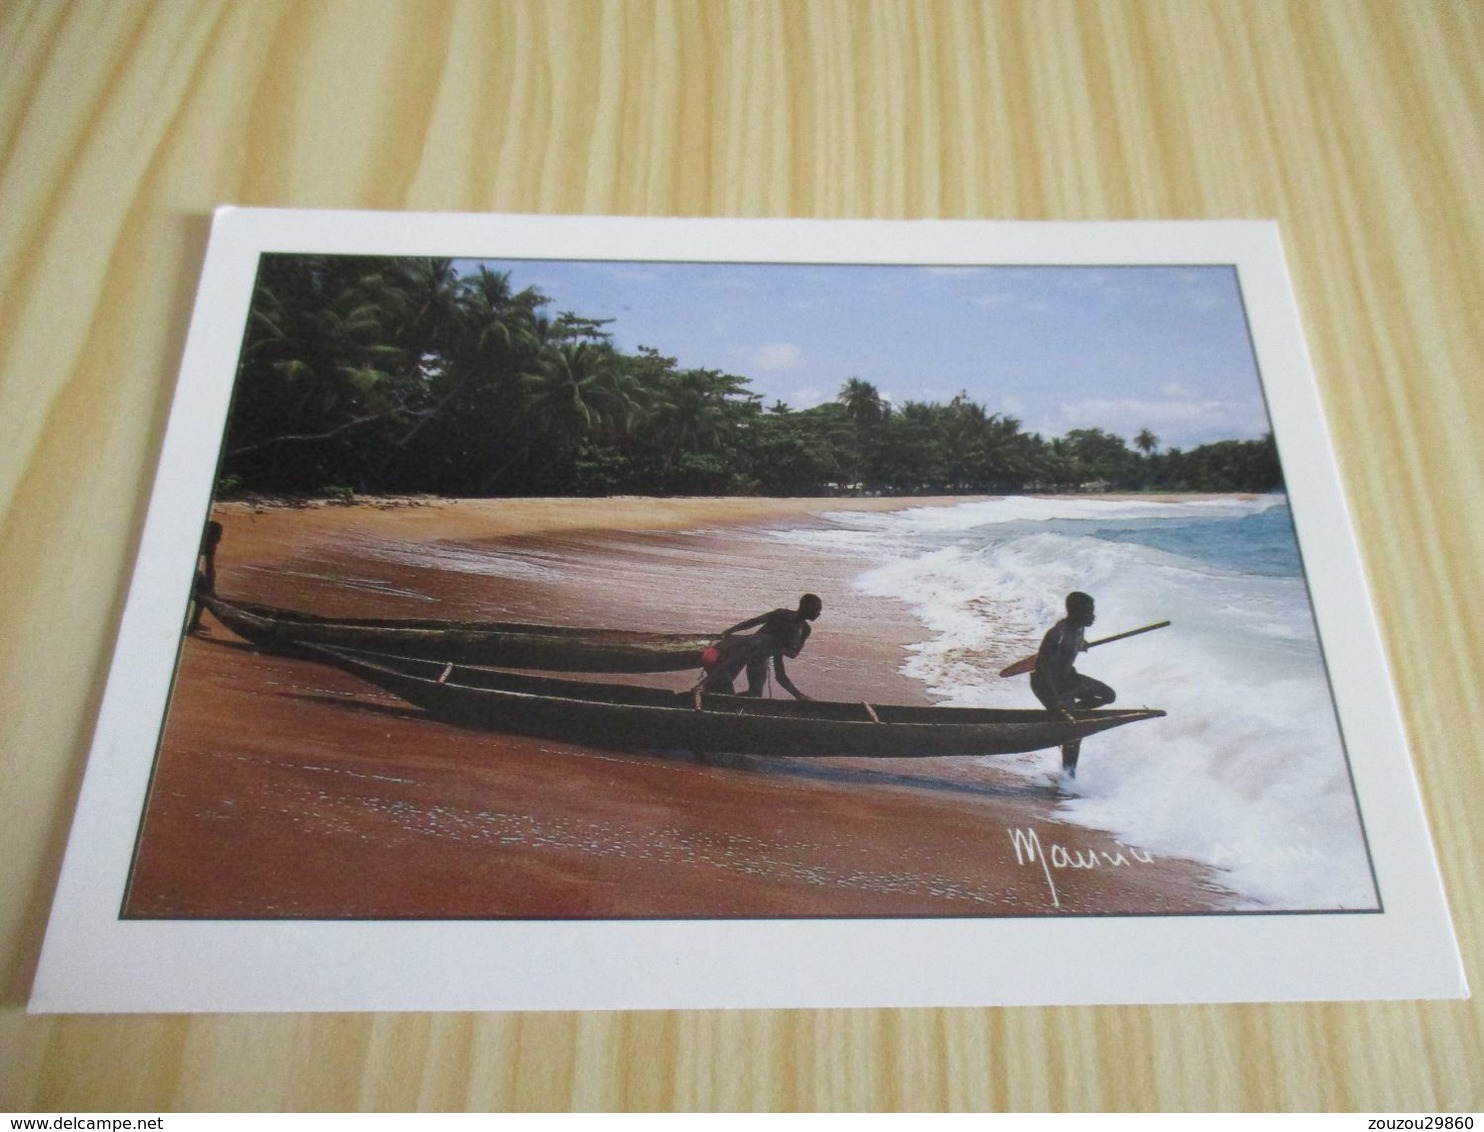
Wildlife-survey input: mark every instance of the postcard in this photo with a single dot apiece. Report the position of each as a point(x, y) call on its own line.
point(598, 613)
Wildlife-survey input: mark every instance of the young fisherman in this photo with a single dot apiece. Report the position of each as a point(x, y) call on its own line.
point(780, 633)
point(1056, 681)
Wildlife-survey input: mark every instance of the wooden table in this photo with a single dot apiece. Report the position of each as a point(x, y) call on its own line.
point(1358, 125)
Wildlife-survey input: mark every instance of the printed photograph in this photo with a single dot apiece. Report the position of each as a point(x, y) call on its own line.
point(589, 590)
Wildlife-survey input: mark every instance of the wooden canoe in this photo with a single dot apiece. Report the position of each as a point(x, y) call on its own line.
point(621, 717)
point(549, 648)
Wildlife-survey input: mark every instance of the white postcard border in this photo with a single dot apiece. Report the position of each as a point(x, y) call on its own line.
point(95, 962)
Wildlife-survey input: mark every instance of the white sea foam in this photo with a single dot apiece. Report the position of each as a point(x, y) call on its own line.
point(1037, 509)
point(1247, 773)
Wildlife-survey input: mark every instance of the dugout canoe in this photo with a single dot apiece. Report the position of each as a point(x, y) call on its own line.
point(548, 648)
point(622, 717)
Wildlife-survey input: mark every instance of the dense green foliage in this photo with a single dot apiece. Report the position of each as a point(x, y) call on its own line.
point(372, 375)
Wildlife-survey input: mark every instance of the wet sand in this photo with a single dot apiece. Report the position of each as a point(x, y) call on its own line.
point(288, 789)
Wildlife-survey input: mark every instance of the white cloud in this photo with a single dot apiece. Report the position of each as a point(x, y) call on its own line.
point(776, 356)
point(995, 299)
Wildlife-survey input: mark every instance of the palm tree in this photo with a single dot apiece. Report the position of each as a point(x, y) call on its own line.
point(466, 329)
point(1009, 455)
point(963, 426)
point(704, 404)
point(485, 343)
point(430, 295)
point(328, 359)
point(863, 403)
point(575, 394)
point(1146, 442)
point(582, 391)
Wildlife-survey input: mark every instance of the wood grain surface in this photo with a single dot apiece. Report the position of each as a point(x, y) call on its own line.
point(1356, 123)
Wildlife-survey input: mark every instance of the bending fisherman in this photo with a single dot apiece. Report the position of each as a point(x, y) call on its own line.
point(780, 633)
point(1056, 681)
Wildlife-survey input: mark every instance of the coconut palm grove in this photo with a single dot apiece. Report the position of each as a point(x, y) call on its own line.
point(372, 375)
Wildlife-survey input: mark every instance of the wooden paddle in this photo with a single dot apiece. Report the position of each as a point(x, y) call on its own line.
point(1023, 666)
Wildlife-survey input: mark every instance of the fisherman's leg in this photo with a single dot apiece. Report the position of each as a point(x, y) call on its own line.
point(757, 676)
point(719, 683)
point(196, 607)
point(1069, 753)
point(731, 658)
point(1092, 693)
point(1044, 692)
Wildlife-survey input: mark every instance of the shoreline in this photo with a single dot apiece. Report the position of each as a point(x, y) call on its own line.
point(341, 802)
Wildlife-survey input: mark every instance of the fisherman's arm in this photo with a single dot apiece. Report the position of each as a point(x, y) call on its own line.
point(750, 623)
point(783, 679)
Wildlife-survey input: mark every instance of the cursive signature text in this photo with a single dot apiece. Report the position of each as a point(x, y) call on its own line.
point(1029, 851)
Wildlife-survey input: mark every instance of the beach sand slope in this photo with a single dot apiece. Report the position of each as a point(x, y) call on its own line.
point(287, 789)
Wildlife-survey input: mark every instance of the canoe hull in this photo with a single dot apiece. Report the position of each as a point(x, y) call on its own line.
point(626, 718)
point(549, 648)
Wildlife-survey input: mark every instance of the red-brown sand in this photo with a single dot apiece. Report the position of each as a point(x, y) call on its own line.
point(288, 789)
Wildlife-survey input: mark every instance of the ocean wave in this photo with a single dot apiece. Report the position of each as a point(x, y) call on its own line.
point(1039, 509)
point(1247, 773)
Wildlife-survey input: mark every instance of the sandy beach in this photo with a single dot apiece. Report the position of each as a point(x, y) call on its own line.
point(288, 789)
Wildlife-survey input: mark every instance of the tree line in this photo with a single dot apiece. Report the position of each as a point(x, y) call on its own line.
point(372, 375)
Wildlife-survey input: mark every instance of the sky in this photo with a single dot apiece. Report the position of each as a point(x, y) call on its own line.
point(1118, 348)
